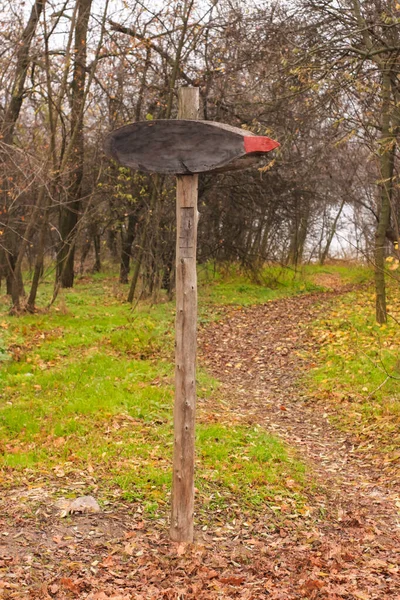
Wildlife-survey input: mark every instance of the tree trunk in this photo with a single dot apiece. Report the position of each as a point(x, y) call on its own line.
point(299, 235)
point(144, 240)
point(69, 213)
point(388, 147)
point(16, 281)
point(112, 244)
point(126, 247)
point(332, 232)
point(85, 251)
point(10, 262)
point(39, 263)
point(138, 264)
point(97, 255)
point(15, 284)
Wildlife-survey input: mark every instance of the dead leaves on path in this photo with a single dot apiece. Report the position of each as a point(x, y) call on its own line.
point(286, 565)
point(259, 353)
point(318, 562)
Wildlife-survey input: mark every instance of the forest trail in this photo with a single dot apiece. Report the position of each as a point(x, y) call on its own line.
point(258, 354)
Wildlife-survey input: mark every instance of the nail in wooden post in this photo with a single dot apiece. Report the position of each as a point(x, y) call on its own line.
point(186, 342)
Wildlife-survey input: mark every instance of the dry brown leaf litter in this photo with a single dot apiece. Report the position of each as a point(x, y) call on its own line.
point(347, 548)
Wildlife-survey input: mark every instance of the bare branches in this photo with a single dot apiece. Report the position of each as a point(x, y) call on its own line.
point(17, 92)
point(148, 42)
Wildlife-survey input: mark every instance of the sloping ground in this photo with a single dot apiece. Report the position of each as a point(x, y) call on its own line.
point(345, 545)
point(258, 352)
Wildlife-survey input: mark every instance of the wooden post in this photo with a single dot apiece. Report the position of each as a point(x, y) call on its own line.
point(185, 147)
point(185, 340)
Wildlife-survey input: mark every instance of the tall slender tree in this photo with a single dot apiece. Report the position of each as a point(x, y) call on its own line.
point(70, 209)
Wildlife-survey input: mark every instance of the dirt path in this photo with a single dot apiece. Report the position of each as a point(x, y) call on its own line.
point(346, 548)
point(257, 352)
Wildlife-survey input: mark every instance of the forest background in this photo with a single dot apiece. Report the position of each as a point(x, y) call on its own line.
point(320, 77)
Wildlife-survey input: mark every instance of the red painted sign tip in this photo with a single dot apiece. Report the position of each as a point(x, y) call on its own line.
point(258, 143)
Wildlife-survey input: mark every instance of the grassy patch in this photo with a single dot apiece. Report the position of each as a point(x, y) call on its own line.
point(358, 367)
point(87, 394)
point(232, 284)
point(254, 466)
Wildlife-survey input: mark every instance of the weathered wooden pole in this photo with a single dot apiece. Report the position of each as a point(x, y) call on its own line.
point(185, 340)
point(185, 147)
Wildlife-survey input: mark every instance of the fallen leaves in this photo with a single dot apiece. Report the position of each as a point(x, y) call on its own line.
point(340, 546)
point(313, 584)
point(232, 580)
point(104, 596)
point(361, 595)
point(266, 392)
point(181, 548)
point(68, 584)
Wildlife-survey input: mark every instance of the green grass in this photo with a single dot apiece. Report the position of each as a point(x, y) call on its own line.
point(250, 463)
point(231, 284)
point(358, 367)
point(87, 395)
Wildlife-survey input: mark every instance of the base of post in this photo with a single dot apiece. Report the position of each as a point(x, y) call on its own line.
point(179, 536)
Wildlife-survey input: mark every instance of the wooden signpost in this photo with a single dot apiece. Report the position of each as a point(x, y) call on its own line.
point(185, 147)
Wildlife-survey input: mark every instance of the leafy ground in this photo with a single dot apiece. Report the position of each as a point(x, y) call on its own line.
point(286, 506)
point(358, 370)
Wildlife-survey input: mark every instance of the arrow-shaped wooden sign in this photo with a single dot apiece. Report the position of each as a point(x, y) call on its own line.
point(186, 147)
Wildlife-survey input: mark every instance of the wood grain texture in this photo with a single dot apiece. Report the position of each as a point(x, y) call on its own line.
point(186, 344)
point(185, 146)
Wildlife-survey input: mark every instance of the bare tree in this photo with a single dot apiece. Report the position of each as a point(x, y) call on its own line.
point(10, 262)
